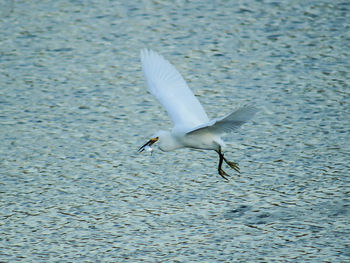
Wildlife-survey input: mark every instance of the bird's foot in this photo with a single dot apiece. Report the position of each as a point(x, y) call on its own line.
point(223, 174)
point(233, 165)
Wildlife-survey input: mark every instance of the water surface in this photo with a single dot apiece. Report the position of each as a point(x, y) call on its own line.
point(74, 109)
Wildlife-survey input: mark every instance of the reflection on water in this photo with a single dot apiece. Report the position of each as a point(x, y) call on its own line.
point(74, 110)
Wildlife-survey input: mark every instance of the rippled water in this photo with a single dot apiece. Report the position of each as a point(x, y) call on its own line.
point(74, 109)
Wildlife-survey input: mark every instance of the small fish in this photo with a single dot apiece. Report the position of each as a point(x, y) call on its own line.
point(148, 149)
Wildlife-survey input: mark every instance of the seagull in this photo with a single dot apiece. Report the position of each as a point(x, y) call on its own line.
point(192, 127)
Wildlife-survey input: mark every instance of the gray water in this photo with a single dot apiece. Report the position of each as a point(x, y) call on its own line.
point(74, 109)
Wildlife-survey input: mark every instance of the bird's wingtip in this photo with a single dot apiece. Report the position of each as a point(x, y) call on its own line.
point(147, 52)
point(249, 108)
point(143, 52)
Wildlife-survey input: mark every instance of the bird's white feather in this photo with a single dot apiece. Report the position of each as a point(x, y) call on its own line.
point(167, 85)
point(227, 123)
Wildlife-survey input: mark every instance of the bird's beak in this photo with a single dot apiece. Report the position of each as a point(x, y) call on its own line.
point(149, 143)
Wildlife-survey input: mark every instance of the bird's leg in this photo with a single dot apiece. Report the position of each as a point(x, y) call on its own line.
point(221, 172)
point(233, 165)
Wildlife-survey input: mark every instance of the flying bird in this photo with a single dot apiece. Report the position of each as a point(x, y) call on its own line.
point(192, 127)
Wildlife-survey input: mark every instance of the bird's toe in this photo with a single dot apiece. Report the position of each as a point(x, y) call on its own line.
point(234, 166)
point(223, 174)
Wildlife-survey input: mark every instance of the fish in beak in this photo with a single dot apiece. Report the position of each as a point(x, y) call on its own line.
point(147, 145)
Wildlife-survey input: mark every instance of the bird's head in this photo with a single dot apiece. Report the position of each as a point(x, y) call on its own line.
point(165, 139)
point(147, 145)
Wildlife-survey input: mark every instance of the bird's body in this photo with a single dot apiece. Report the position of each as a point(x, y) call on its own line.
point(172, 140)
point(192, 129)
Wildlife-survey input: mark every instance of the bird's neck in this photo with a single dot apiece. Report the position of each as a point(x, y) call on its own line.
point(168, 142)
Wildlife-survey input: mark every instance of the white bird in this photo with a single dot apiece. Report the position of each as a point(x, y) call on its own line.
point(192, 127)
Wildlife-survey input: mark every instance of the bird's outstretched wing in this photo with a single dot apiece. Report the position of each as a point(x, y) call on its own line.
point(167, 85)
point(227, 123)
